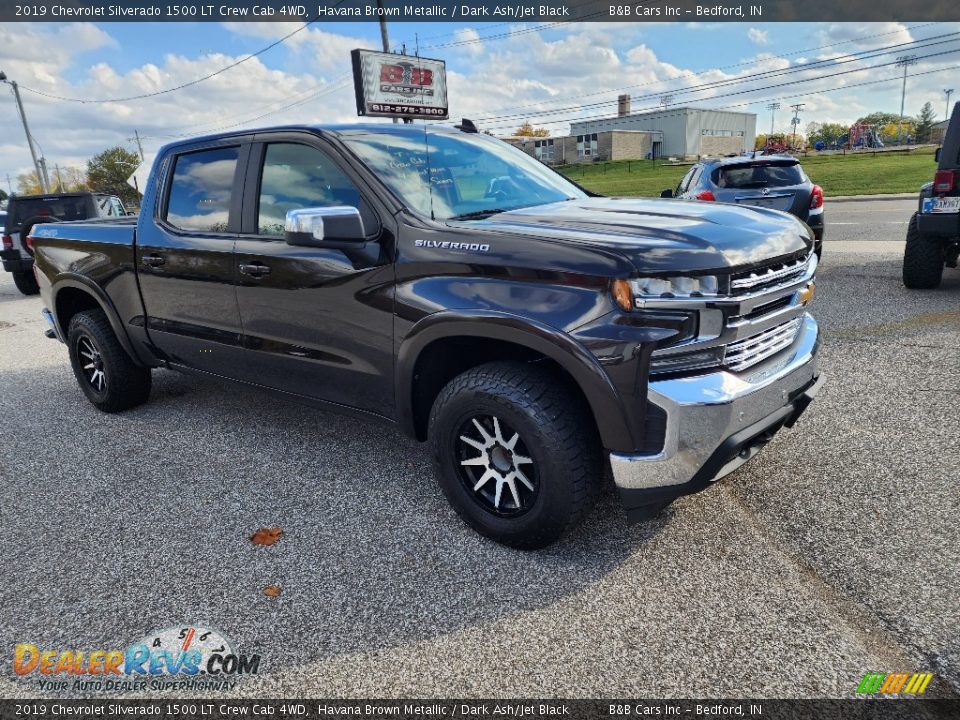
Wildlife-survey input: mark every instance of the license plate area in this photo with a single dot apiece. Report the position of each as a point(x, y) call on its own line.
point(941, 205)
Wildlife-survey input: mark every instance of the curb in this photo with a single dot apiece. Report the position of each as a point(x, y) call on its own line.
point(860, 198)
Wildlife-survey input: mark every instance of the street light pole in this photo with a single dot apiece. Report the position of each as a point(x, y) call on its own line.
point(26, 129)
point(948, 93)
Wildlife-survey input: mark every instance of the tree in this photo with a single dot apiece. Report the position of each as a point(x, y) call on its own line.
point(879, 118)
point(3, 195)
point(528, 130)
point(826, 133)
point(925, 121)
point(108, 171)
point(68, 179)
point(27, 184)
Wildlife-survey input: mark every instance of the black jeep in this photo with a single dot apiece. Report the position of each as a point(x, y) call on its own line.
point(933, 236)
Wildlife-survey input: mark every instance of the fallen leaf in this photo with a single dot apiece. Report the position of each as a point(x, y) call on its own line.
point(266, 536)
point(272, 591)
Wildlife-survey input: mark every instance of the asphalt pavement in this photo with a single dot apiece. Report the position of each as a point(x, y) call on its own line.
point(834, 553)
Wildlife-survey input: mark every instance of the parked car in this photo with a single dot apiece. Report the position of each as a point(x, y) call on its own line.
point(933, 235)
point(777, 182)
point(25, 211)
point(447, 283)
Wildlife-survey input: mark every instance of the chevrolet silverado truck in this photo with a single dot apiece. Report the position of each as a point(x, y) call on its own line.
point(442, 281)
point(933, 235)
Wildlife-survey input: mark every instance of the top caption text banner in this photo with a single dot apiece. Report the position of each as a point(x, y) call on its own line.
point(477, 11)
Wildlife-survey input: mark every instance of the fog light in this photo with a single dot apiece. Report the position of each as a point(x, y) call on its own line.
point(806, 295)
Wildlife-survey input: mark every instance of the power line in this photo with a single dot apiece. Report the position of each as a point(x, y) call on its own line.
point(196, 81)
point(770, 87)
point(698, 73)
point(766, 74)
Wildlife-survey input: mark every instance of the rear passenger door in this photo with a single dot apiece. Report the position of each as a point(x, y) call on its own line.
point(317, 321)
point(185, 259)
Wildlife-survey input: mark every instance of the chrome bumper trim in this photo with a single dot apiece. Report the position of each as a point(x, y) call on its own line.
point(703, 411)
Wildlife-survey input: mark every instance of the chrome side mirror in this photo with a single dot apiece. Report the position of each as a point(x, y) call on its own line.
point(333, 226)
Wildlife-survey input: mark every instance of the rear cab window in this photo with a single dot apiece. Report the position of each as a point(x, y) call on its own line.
point(61, 208)
point(201, 190)
point(773, 174)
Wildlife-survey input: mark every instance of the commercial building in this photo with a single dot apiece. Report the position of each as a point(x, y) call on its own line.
point(591, 147)
point(683, 131)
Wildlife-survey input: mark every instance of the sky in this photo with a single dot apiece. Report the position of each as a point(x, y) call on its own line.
point(499, 75)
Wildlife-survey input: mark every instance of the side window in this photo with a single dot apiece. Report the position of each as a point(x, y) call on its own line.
point(685, 182)
point(299, 176)
point(201, 188)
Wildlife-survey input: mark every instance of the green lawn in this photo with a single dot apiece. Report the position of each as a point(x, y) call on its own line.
point(850, 174)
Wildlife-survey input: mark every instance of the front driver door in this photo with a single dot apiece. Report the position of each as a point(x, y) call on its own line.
point(317, 322)
point(185, 261)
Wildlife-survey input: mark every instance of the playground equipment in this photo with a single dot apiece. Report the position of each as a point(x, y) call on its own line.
point(861, 135)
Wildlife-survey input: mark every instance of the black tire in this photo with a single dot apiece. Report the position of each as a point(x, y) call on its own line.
point(27, 227)
point(555, 434)
point(26, 282)
point(94, 347)
point(922, 259)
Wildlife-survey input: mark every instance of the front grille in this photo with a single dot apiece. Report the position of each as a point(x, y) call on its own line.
point(767, 277)
point(749, 351)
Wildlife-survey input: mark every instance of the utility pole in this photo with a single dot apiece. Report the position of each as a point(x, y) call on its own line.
point(796, 121)
point(139, 146)
point(948, 93)
point(59, 178)
point(904, 61)
point(384, 38)
point(45, 180)
point(26, 129)
point(9, 184)
point(773, 107)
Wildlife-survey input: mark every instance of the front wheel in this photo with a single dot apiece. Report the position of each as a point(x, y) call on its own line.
point(922, 259)
point(106, 374)
point(516, 456)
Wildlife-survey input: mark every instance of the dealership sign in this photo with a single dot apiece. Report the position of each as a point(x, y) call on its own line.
point(391, 85)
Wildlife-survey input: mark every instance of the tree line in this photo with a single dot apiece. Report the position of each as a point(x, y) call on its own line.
point(105, 172)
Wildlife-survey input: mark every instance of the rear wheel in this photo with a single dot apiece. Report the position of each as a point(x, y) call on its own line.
point(517, 457)
point(106, 374)
point(25, 282)
point(922, 259)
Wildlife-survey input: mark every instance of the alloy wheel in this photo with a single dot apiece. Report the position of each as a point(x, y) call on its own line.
point(503, 478)
point(92, 363)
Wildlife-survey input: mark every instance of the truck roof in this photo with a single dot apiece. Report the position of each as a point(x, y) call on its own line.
point(46, 196)
point(339, 130)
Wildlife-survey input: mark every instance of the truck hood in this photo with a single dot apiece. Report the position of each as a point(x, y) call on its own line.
point(663, 235)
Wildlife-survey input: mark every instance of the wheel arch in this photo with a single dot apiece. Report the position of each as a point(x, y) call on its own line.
point(73, 294)
point(444, 344)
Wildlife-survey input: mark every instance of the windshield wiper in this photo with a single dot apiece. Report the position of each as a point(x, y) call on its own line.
point(480, 214)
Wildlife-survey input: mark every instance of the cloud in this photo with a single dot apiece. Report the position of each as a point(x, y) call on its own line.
point(758, 36)
point(513, 74)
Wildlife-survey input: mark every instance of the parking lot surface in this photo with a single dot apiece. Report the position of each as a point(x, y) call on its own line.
point(834, 553)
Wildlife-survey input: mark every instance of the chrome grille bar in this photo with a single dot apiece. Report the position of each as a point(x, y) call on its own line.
point(752, 350)
point(770, 275)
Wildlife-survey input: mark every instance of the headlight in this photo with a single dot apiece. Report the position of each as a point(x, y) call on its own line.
point(681, 286)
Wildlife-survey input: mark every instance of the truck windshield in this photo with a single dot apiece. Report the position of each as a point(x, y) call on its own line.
point(459, 176)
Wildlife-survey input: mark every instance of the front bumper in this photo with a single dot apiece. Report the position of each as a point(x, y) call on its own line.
point(718, 421)
point(13, 261)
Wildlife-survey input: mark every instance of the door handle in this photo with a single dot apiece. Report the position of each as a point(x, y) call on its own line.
point(153, 260)
point(255, 269)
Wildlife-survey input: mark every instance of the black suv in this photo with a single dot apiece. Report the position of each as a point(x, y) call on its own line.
point(933, 236)
point(25, 211)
